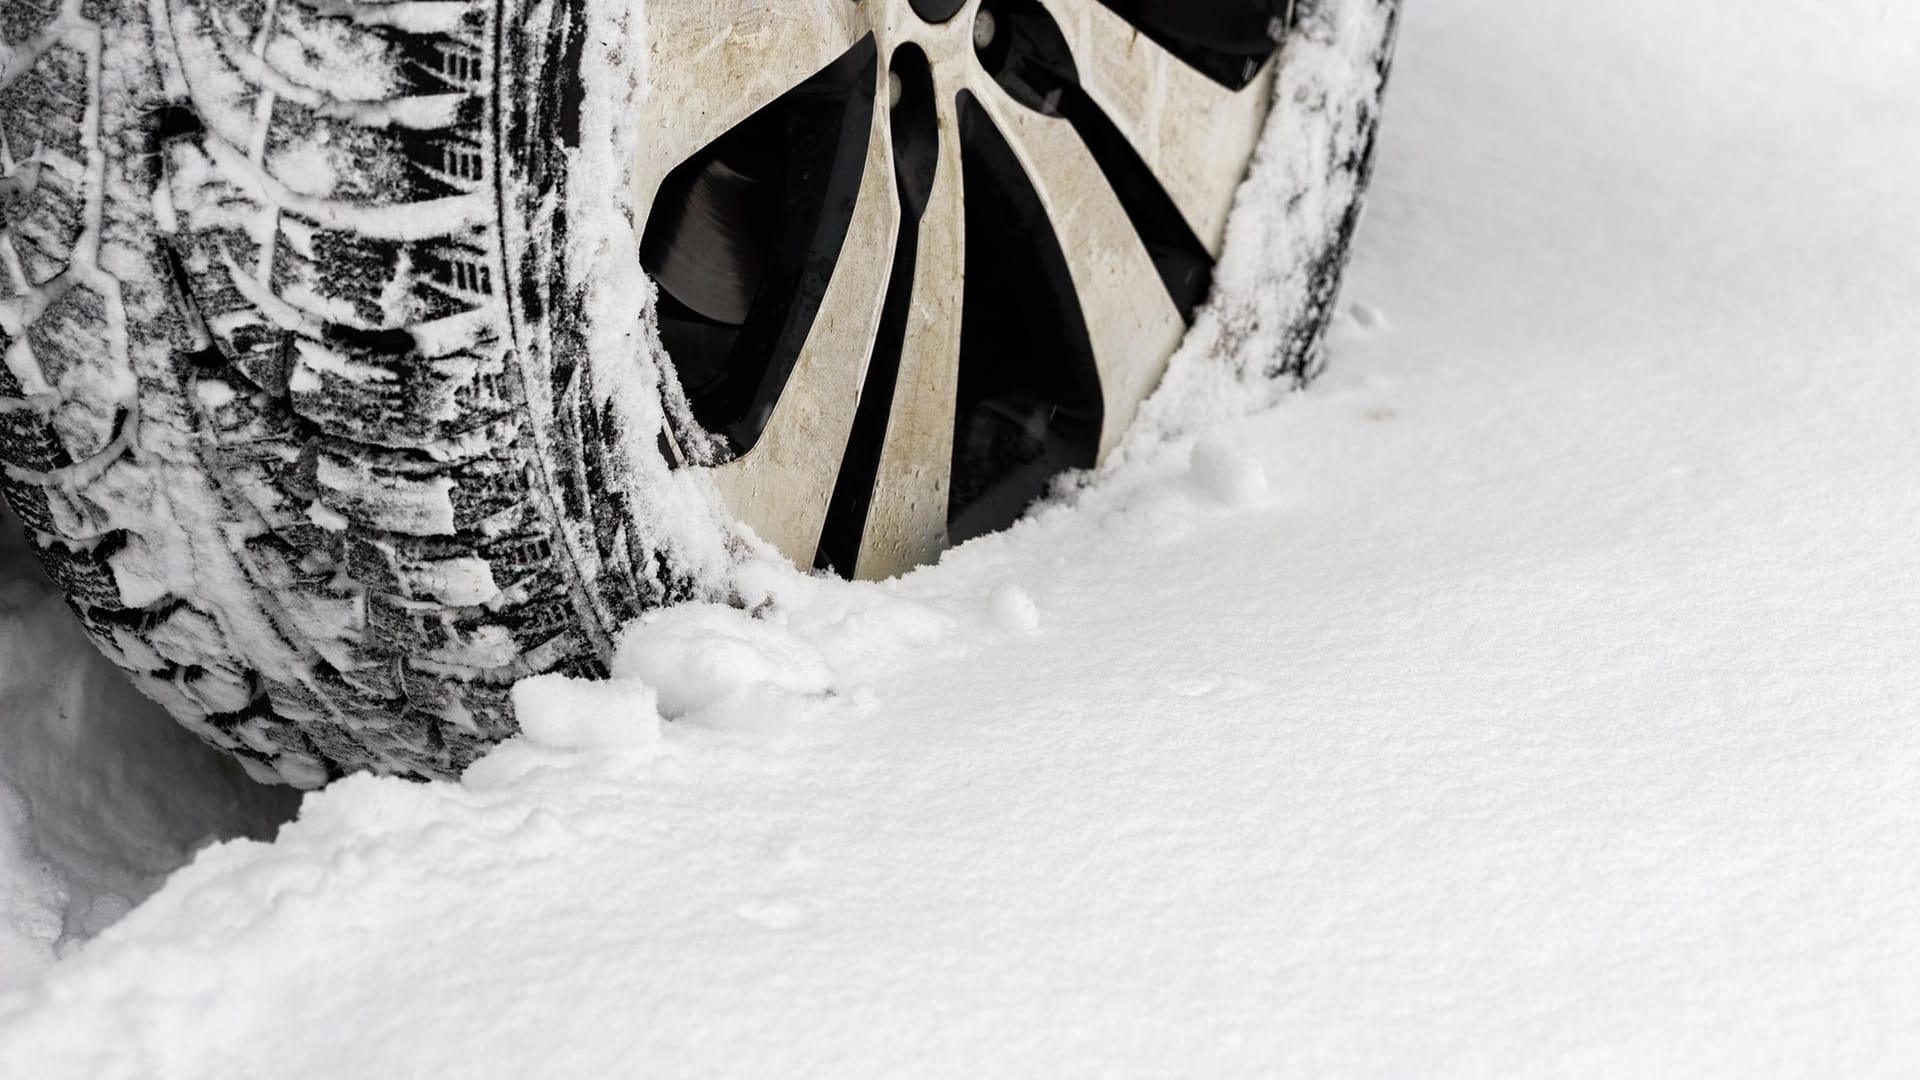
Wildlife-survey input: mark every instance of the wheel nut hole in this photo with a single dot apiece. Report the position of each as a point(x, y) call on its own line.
point(937, 11)
point(985, 28)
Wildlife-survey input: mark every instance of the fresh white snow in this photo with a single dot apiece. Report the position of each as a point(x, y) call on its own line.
point(1537, 695)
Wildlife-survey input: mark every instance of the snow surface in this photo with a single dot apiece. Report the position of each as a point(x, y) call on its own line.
point(1537, 695)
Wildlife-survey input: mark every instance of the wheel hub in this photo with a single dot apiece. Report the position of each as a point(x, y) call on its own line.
point(916, 257)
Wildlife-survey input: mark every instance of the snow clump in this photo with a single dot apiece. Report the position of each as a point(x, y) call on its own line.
point(719, 667)
point(1226, 473)
point(1013, 609)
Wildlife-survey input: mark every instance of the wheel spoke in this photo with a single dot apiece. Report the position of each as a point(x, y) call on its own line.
point(713, 63)
point(1182, 123)
point(781, 488)
point(1132, 324)
point(906, 523)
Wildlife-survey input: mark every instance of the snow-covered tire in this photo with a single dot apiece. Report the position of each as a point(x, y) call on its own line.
point(1332, 102)
point(302, 339)
point(295, 406)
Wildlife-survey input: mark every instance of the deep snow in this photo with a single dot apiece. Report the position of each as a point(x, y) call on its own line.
point(1535, 695)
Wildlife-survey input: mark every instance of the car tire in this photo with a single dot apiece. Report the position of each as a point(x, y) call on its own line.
point(333, 395)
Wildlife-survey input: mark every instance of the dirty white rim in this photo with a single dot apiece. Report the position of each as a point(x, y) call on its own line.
point(1092, 114)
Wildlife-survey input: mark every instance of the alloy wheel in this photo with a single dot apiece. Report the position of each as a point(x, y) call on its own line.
point(917, 257)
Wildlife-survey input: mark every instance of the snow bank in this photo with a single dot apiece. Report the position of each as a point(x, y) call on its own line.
point(1535, 697)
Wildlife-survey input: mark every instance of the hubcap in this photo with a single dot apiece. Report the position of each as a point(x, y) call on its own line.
point(916, 257)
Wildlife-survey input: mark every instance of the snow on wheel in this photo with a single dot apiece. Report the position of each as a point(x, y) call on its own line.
point(331, 392)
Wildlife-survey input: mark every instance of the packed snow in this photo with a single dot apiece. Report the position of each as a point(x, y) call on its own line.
point(1535, 695)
